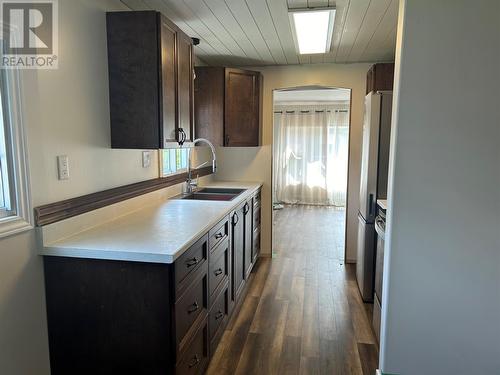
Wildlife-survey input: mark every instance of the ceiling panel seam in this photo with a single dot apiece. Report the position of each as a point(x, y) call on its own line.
point(260, 31)
point(209, 29)
point(342, 30)
point(376, 28)
point(359, 29)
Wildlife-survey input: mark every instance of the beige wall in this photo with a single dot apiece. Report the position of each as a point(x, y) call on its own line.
point(255, 163)
point(66, 111)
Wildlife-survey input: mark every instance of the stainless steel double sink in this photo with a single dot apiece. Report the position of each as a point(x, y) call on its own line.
point(214, 194)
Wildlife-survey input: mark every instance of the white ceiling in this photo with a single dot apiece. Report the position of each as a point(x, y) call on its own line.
point(257, 32)
point(319, 95)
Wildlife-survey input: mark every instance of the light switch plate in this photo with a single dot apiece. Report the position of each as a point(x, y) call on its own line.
point(146, 159)
point(63, 167)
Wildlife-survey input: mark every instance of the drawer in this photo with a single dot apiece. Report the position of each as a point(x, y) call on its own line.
point(189, 262)
point(218, 268)
point(219, 313)
point(190, 305)
point(218, 233)
point(195, 359)
point(256, 217)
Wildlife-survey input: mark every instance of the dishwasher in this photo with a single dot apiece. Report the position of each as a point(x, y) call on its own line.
point(379, 268)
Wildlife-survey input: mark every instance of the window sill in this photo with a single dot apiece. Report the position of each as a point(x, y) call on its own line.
point(13, 225)
point(180, 171)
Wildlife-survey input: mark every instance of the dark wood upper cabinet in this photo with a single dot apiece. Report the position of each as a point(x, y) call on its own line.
point(228, 106)
point(150, 80)
point(185, 91)
point(168, 79)
point(380, 77)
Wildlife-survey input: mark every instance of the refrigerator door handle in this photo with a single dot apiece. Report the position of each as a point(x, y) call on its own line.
point(370, 205)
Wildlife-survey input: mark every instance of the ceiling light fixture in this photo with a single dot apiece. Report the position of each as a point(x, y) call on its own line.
point(312, 29)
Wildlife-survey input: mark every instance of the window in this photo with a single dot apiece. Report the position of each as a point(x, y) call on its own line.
point(15, 208)
point(174, 160)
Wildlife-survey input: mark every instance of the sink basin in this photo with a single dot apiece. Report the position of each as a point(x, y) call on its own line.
point(216, 190)
point(210, 197)
point(214, 194)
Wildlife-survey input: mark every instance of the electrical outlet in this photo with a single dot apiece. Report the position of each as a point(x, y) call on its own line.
point(146, 159)
point(63, 167)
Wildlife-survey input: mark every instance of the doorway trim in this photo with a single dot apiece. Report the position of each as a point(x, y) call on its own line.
point(313, 87)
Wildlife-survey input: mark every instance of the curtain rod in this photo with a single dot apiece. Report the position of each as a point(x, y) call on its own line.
point(337, 110)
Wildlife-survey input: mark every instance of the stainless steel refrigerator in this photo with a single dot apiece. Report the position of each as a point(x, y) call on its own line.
point(373, 183)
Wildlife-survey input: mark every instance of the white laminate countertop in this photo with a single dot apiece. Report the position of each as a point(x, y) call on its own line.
point(158, 233)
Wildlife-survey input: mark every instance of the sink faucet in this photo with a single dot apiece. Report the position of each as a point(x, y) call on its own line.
point(190, 185)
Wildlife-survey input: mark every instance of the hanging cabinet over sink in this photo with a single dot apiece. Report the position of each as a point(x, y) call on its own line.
point(150, 81)
point(228, 106)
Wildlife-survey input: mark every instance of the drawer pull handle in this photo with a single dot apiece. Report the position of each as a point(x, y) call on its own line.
point(219, 315)
point(219, 235)
point(217, 272)
point(194, 362)
point(191, 262)
point(193, 308)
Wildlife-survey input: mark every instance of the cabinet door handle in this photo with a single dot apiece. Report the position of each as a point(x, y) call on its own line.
point(246, 208)
point(235, 218)
point(219, 315)
point(191, 262)
point(193, 308)
point(182, 135)
point(227, 140)
point(194, 362)
point(219, 235)
point(218, 272)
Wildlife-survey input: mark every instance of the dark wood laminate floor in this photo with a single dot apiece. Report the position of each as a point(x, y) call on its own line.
point(302, 313)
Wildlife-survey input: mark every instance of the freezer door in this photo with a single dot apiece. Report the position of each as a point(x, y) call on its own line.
point(369, 157)
point(365, 263)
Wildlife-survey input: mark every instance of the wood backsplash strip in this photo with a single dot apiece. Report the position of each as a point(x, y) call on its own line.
point(57, 211)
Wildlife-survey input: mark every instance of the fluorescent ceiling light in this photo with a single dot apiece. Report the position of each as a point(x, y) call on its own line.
point(313, 29)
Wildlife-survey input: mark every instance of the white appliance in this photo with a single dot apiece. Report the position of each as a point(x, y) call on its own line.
point(373, 184)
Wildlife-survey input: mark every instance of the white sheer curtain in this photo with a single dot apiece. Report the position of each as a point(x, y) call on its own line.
point(310, 154)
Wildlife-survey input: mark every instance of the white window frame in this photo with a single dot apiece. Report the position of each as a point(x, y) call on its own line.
point(177, 170)
point(15, 137)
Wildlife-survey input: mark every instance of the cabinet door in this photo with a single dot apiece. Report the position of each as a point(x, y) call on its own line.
point(242, 108)
point(248, 261)
point(185, 86)
point(238, 233)
point(168, 86)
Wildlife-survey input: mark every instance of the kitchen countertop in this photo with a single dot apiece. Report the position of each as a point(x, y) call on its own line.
point(382, 203)
point(158, 233)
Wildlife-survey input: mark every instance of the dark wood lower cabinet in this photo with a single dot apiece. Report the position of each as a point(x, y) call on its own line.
point(110, 317)
point(195, 359)
point(247, 252)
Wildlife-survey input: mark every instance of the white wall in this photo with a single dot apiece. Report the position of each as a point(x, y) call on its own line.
point(442, 279)
point(254, 163)
point(66, 111)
